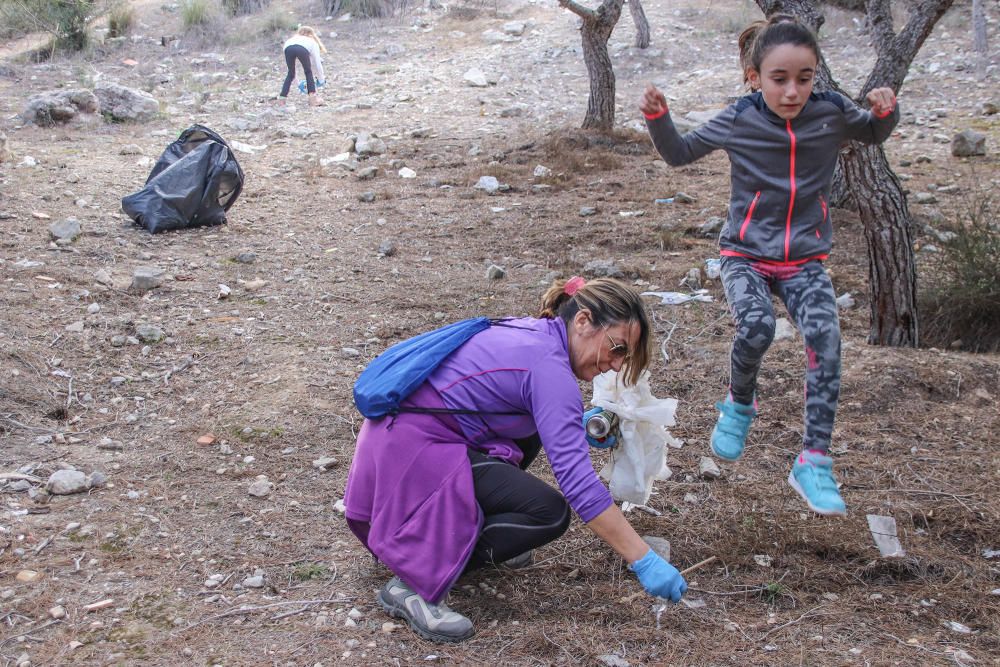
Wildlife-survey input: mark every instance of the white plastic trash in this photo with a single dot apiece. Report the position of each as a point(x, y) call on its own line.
point(641, 455)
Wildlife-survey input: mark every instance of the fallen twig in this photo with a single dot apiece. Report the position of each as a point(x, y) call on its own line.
point(793, 622)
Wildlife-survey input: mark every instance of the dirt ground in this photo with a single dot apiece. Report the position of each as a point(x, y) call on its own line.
point(172, 537)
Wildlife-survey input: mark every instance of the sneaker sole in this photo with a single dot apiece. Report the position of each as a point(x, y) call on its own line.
point(397, 611)
point(794, 483)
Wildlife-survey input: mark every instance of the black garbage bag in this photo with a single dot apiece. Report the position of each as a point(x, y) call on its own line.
point(193, 184)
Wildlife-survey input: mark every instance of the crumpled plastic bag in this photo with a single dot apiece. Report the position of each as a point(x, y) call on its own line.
point(641, 455)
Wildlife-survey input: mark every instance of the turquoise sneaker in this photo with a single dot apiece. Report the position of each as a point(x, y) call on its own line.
point(812, 477)
point(729, 436)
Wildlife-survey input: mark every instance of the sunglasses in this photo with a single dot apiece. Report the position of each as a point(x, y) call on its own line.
point(619, 350)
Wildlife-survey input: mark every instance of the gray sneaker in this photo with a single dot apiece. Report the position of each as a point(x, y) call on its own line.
point(521, 561)
point(435, 622)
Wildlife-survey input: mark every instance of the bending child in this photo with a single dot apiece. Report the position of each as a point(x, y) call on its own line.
point(305, 47)
point(782, 142)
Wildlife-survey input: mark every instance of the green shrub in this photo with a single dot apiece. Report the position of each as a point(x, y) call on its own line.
point(243, 7)
point(362, 8)
point(961, 308)
point(278, 21)
point(197, 14)
point(121, 18)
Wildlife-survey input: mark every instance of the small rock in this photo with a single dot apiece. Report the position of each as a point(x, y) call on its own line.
point(489, 184)
point(960, 628)
point(406, 172)
point(968, 143)
point(925, 198)
point(245, 258)
point(587, 211)
point(145, 278)
point(684, 198)
point(762, 559)
point(783, 329)
point(260, 488)
point(93, 309)
point(57, 612)
point(149, 333)
point(388, 627)
point(367, 197)
point(387, 248)
point(65, 230)
point(711, 227)
point(224, 291)
point(495, 272)
point(691, 498)
point(845, 301)
point(206, 440)
point(708, 469)
point(987, 108)
point(254, 581)
point(75, 327)
point(542, 171)
point(28, 576)
point(612, 660)
point(367, 173)
point(475, 78)
point(603, 268)
point(658, 544)
point(96, 479)
point(66, 482)
point(324, 463)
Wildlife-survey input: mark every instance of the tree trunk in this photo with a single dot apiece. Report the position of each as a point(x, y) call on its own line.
point(891, 275)
point(641, 24)
point(596, 29)
point(979, 38)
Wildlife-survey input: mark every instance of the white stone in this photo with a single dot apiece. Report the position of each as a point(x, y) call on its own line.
point(708, 468)
point(783, 329)
point(475, 78)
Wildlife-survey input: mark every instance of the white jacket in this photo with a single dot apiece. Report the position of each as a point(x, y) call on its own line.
point(315, 56)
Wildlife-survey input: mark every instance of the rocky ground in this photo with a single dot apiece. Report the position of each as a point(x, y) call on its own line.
point(175, 411)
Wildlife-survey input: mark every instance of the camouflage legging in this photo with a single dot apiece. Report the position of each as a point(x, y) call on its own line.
point(808, 295)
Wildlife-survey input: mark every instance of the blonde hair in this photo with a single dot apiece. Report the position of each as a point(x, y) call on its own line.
point(609, 302)
point(308, 31)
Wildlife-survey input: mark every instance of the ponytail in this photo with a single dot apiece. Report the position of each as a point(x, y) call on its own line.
point(609, 302)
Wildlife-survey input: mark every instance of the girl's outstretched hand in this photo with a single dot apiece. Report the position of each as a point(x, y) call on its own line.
point(882, 101)
point(653, 102)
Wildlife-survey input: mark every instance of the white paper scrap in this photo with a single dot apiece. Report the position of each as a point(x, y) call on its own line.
point(883, 530)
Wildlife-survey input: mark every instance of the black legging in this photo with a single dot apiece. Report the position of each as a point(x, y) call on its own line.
point(300, 53)
point(521, 511)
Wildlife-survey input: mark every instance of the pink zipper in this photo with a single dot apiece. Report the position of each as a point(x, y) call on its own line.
point(746, 220)
point(792, 187)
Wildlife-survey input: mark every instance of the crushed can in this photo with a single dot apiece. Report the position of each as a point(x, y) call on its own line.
point(602, 425)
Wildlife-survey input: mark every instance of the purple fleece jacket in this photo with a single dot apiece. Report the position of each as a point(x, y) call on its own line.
point(410, 497)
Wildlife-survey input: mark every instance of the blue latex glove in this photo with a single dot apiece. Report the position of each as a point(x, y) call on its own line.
point(302, 87)
point(606, 443)
point(320, 83)
point(659, 577)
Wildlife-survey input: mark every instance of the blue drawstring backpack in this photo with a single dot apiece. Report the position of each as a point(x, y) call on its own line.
point(397, 372)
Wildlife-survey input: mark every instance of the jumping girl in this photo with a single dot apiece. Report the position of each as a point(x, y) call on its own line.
point(782, 141)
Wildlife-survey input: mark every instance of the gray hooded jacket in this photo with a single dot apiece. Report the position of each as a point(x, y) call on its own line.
point(780, 170)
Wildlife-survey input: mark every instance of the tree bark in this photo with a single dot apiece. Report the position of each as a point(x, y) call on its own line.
point(642, 39)
point(979, 38)
point(595, 31)
point(892, 276)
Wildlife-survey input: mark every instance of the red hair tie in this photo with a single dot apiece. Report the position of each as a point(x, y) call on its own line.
point(573, 285)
